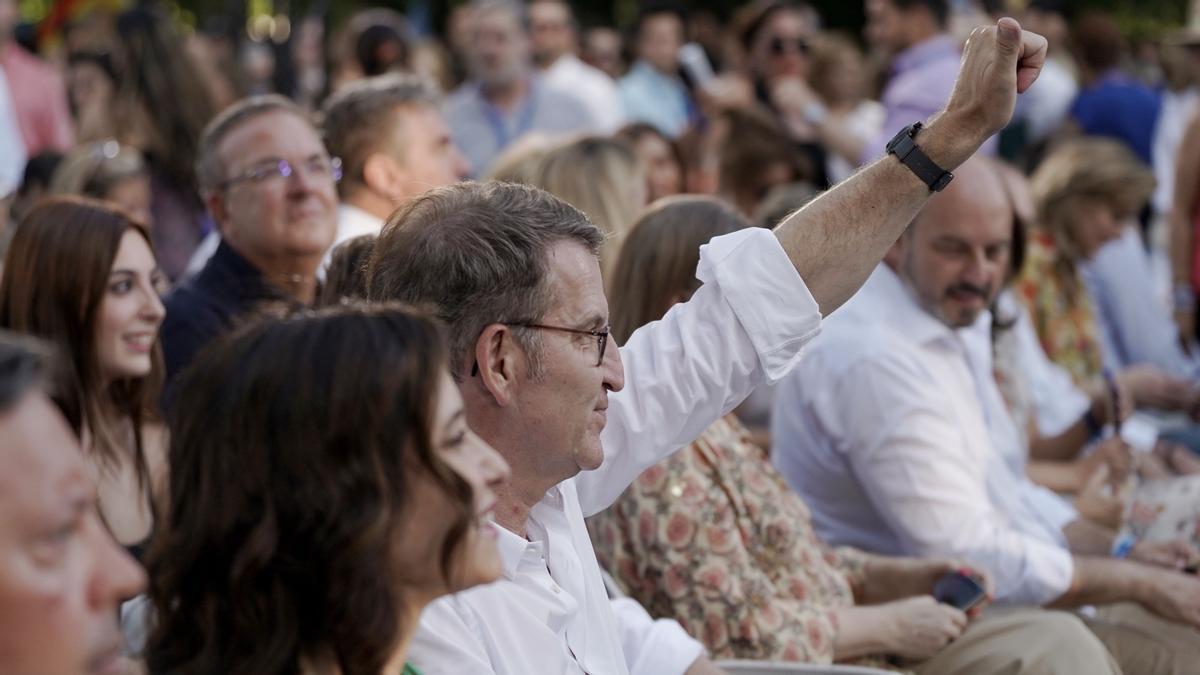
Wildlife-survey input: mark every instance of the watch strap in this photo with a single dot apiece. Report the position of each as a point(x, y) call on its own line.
point(905, 148)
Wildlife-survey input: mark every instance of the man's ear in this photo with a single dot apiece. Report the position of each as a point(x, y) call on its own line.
point(381, 174)
point(214, 201)
point(499, 360)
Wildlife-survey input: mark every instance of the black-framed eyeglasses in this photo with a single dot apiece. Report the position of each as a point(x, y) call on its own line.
point(277, 169)
point(781, 45)
point(600, 335)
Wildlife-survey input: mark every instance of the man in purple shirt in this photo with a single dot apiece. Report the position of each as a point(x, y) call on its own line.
point(925, 61)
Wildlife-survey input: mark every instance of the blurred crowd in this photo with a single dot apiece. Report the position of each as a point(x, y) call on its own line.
point(312, 315)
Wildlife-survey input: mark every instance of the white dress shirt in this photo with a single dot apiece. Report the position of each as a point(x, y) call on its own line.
point(593, 86)
point(351, 222)
point(894, 432)
point(12, 146)
point(550, 612)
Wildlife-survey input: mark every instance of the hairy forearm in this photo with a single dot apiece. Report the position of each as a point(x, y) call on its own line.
point(1102, 581)
point(862, 631)
point(837, 240)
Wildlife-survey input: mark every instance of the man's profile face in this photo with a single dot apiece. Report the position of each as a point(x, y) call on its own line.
point(567, 405)
point(430, 157)
point(62, 578)
point(956, 255)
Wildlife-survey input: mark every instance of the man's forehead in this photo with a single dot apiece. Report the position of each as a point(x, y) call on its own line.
point(278, 133)
point(576, 287)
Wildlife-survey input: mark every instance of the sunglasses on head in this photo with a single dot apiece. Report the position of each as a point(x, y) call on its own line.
point(781, 45)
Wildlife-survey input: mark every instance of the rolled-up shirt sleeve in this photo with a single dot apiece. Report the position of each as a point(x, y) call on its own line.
point(909, 449)
point(746, 325)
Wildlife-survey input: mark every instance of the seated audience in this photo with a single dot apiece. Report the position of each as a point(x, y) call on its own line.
point(82, 276)
point(851, 120)
point(713, 537)
point(894, 432)
point(1088, 306)
point(393, 143)
point(315, 510)
point(270, 186)
point(62, 579)
point(756, 155)
point(514, 274)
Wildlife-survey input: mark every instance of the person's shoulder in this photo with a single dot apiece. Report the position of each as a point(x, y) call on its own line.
point(462, 97)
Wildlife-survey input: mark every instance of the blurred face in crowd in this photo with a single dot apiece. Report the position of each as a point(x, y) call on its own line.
point(955, 255)
point(1093, 224)
point(134, 195)
point(62, 578)
point(88, 86)
point(845, 82)
point(130, 312)
point(268, 217)
point(663, 173)
point(429, 157)
point(478, 560)
point(659, 38)
point(550, 31)
point(602, 49)
point(565, 408)
point(780, 49)
point(885, 26)
point(500, 49)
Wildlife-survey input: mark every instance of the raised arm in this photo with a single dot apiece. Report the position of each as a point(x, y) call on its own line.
point(837, 239)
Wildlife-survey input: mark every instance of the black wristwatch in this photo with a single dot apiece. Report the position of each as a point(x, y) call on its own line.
point(904, 147)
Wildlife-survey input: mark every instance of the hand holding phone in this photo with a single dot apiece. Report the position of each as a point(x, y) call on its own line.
point(959, 589)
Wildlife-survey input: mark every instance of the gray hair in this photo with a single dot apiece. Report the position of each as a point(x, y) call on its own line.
point(210, 170)
point(22, 368)
point(475, 254)
point(515, 8)
point(356, 120)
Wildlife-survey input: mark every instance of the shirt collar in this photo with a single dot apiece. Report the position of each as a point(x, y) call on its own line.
point(937, 47)
point(358, 220)
point(512, 549)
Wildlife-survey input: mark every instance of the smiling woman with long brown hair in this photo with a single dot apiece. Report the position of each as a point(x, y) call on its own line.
point(82, 276)
point(324, 488)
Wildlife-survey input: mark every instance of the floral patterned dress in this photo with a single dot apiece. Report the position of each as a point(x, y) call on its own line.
point(1061, 309)
point(714, 538)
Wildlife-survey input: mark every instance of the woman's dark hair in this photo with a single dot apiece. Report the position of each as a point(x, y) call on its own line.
point(346, 278)
point(169, 98)
point(656, 266)
point(295, 444)
point(56, 274)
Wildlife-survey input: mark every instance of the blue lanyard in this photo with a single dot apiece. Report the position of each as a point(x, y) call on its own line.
point(496, 118)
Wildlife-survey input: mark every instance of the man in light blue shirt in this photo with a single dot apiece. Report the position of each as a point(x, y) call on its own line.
point(504, 99)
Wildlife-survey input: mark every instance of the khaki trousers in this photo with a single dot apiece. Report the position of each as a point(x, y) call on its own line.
point(1024, 642)
point(1144, 644)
